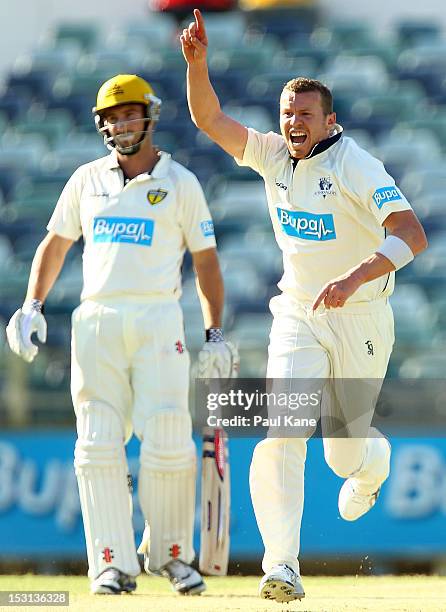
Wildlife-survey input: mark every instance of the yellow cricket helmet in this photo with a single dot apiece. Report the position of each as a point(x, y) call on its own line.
point(125, 89)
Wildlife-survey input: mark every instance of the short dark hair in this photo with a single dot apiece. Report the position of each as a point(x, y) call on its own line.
point(304, 84)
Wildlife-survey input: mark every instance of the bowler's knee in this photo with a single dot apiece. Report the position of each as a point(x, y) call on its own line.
point(271, 453)
point(343, 459)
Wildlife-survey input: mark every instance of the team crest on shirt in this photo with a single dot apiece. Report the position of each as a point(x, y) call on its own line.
point(325, 187)
point(156, 196)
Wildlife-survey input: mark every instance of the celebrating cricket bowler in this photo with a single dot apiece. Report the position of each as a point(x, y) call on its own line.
point(344, 228)
point(137, 211)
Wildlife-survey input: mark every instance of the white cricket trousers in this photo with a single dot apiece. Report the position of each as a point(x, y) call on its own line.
point(353, 342)
point(130, 373)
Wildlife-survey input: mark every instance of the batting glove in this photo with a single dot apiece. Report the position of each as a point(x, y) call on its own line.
point(24, 322)
point(217, 358)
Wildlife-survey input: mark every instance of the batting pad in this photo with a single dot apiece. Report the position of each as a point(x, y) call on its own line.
point(166, 487)
point(101, 469)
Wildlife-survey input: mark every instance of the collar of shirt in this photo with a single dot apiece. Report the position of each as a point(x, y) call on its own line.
point(323, 145)
point(159, 170)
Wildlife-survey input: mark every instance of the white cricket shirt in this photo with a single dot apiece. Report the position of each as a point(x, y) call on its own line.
point(327, 210)
point(135, 235)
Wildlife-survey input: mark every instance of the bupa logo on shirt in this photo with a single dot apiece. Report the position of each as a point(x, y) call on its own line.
point(156, 196)
point(207, 228)
point(307, 225)
point(130, 230)
point(383, 195)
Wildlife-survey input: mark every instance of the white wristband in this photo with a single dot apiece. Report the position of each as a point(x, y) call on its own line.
point(397, 251)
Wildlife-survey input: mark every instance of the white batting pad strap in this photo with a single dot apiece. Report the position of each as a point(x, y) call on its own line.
point(91, 453)
point(101, 470)
point(166, 487)
point(397, 251)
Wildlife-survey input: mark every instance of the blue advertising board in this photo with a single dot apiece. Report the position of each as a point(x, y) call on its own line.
point(40, 513)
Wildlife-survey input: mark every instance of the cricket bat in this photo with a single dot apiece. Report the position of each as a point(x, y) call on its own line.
point(215, 503)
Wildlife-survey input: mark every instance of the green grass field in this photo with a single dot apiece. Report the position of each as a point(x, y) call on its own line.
point(324, 594)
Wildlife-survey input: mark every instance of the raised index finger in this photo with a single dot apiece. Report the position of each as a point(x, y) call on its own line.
point(199, 22)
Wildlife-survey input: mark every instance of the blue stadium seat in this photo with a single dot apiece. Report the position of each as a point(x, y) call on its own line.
point(367, 75)
point(108, 62)
point(409, 330)
point(421, 184)
point(54, 125)
point(6, 252)
point(77, 150)
point(255, 116)
point(49, 60)
point(23, 152)
point(427, 365)
point(10, 175)
point(352, 34)
point(251, 58)
point(429, 265)
point(430, 54)
point(428, 76)
point(225, 30)
point(257, 247)
point(318, 46)
point(417, 31)
point(14, 104)
point(404, 149)
point(283, 22)
point(84, 34)
point(36, 84)
point(155, 32)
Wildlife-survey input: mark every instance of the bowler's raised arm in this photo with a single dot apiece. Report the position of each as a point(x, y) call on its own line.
point(203, 102)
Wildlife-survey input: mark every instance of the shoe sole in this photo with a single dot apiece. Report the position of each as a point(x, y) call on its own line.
point(103, 589)
point(280, 591)
point(196, 590)
point(109, 591)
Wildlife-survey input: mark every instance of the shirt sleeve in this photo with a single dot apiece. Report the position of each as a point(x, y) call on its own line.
point(372, 186)
point(194, 215)
point(258, 150)
point(65, 220)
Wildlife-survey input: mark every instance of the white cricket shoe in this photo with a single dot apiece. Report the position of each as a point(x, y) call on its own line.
point(353, 501)
point(184, 579)
point(353, 505)
point(281, 584)
point(113, 582)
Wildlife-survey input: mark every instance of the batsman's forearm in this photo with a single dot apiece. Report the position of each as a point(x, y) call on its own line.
point(210, 291)
point(45, 269)
point(211, 295)
point(203, 102)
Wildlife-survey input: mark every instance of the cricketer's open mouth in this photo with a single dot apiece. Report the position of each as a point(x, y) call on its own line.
point(298, 138)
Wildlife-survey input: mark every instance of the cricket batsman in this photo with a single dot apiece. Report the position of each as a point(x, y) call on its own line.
point(137, 211)
point(344, 228)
